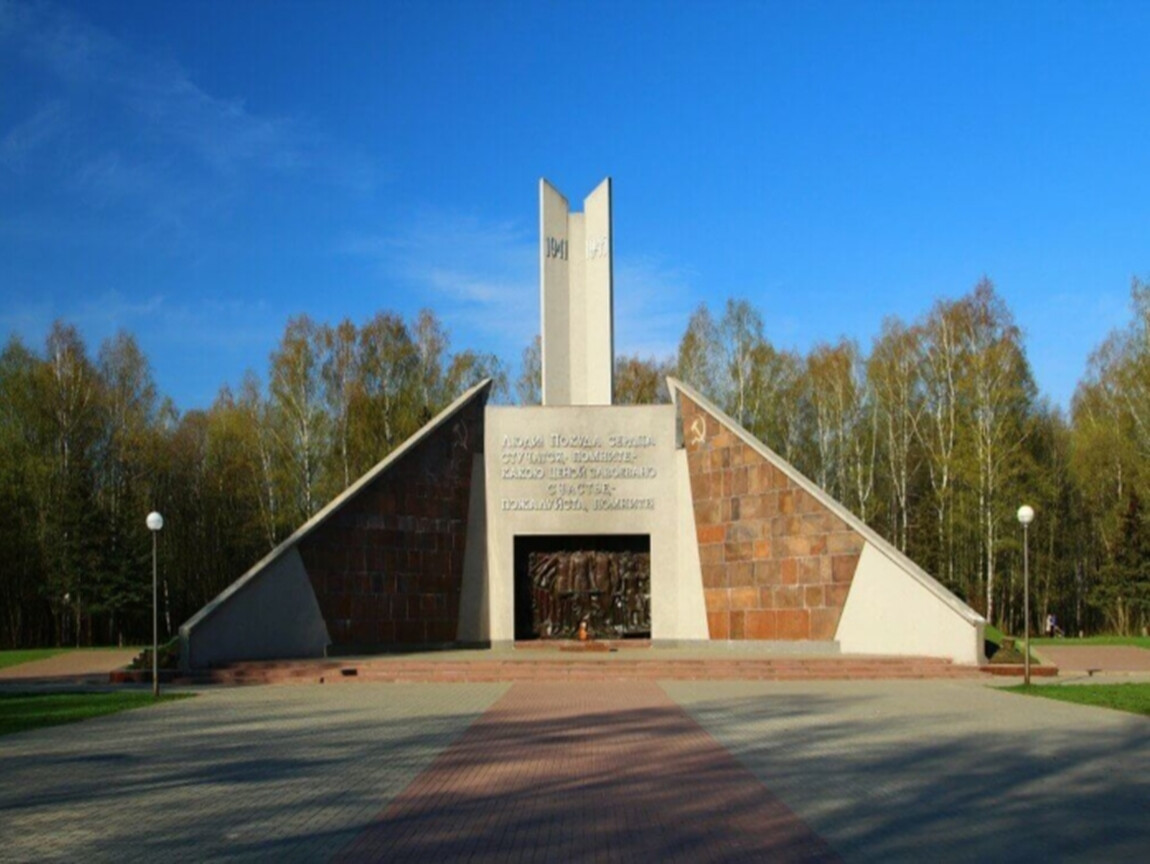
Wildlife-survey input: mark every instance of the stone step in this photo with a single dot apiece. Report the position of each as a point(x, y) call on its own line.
point(557, 668)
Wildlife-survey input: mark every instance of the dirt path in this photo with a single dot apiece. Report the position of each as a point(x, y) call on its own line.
point(72, 665)
point(1104, 658)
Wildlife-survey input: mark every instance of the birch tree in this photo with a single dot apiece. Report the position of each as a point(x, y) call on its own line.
point(297, 401)
point(893, 371)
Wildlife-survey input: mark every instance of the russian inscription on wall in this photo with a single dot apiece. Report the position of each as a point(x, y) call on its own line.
point(578, 472)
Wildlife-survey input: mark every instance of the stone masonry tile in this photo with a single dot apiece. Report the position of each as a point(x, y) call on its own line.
point(717, 599)
point(738, 551)
point(814, 595)
point(711, 533)
point(750, 506)
point(824, 623)
point(708, 512)
point(746, 531)
point(361, 629)
point(441, 630)
point(768, 572)
point(793, 623)
point(714, 576)
point(737, 625)
point(741, 574)
point(700, 483)
point(722, 484)
point(789, 571)
point(744, 598)
point(787, 597)
point(810, 570)
point(840, 542)
point(769, 479)
point(760, 624)
point(768, 504)
point(740, 484)
point(819, 522)
point(410, 632)
point(796, 546)
point(711, 553)
point(762, 548)
point(843, 567)
point(718, 625)
point(836, 595)
point(825, 569)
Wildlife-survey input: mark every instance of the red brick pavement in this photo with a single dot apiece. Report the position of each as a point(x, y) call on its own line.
point(611, 772)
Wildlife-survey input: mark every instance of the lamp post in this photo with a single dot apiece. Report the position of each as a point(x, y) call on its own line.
point(155, 522)
point(1026, 516)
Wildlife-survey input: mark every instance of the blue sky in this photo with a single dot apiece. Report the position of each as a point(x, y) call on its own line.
point(198, 172)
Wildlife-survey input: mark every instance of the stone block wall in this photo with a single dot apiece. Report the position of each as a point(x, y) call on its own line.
point(387, 566)
point(777, 563)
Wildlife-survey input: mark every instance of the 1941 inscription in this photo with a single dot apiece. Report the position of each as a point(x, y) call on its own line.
point(554, 247)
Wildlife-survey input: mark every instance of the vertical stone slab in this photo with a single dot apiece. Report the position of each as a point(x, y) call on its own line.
point(599, 296)
point(554, 295)
point(387, 568)
point(575, 265)
point(474, 609)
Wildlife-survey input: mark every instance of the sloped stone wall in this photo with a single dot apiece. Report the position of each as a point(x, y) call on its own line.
point(387, 567)
point(776, 562)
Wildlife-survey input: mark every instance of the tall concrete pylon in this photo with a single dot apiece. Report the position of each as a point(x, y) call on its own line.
point(576, 298)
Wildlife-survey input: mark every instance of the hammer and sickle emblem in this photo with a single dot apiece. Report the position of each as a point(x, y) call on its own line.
point(698, 431)
point(460, 431)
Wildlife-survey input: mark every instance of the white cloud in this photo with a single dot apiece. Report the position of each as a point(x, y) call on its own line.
point(481, 277)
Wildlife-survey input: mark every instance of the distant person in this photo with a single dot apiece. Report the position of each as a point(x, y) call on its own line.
point(1052, 626)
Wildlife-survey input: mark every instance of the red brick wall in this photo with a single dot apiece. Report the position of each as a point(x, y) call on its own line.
point(777, 564)
point(387, 567)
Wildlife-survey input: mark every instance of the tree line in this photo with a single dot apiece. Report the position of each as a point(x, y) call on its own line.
point(88, 447)
point(934, 436)
point(937, 434)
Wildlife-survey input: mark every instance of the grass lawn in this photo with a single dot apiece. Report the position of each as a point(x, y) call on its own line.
point(1134, 698)
point(15, 658)
point(20, 711)
point(1137, 641)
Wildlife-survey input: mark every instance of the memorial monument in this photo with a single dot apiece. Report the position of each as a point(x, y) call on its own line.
point(494, 525)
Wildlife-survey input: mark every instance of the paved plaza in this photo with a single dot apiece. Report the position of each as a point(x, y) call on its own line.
point(587, 771)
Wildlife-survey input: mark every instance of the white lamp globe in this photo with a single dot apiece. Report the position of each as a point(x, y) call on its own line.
point(1025, 514)
point(155, 521)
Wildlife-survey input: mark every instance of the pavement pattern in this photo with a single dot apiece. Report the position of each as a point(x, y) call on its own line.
point(615, 772)
point(719, 771)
